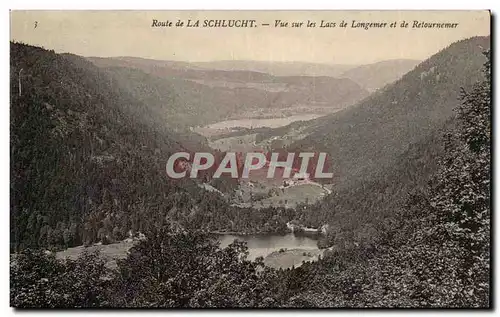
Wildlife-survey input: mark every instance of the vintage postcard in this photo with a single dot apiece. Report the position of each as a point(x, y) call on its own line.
point(250, 159)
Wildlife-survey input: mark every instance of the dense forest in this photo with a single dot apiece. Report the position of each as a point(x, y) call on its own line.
point(386, 148)
point(382, 126)
point(87, 167)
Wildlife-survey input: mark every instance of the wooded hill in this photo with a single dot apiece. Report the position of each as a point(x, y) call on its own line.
point(90, 158)
point(78, 144)
point(377, 75)
point(386, 148)
point(381, 127)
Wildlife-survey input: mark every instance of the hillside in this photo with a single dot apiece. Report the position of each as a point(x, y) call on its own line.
point(88, 161)
point(80, 147)
point(369, 76)
point(359, 210)
point(372, 145)
point(381, 127)
point(435, 248)
point(377, 75)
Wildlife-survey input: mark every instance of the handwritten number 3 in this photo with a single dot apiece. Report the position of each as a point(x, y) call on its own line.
point(36, 24)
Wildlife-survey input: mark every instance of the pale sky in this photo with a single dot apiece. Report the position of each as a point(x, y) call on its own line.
point(129, 33)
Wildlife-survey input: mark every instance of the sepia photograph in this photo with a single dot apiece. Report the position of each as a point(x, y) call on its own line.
point(250, 159)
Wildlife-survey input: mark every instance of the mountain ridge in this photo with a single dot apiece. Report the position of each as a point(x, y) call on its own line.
point(377, 75)
point(381, 125)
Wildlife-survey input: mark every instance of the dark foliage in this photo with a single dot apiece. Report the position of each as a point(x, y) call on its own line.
point(88, 161)
point(429, 248)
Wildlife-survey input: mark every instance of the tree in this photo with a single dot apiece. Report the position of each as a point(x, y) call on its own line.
point(39, 280)
point(462, 195)
point(188, 269)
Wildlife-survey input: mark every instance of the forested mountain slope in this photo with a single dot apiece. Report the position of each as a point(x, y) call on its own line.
point(377, 75)
point(386, 148)
point(435, 251)
point(88, 161)
point(381, 127)
point(361, 211)
point(279, 68)
point(79, 145)
point(432, 251)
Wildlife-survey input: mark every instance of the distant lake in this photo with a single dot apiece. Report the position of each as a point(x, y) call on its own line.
point(264, 244)
point(258, 123)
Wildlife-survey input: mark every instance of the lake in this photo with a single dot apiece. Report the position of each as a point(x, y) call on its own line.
point(256, 123)
point(299, 248)
point(265, 244)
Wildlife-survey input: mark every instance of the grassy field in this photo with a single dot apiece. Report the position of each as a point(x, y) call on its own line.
point(297, 194)
point(242, 143)
point(287, 197)
point(293, 257)
point(110, 252)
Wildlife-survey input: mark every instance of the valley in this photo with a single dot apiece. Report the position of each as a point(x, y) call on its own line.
point(200, 94)
point(259, 191)
point(145, 86)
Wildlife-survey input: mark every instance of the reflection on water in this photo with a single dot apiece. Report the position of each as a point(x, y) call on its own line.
point(262, 245)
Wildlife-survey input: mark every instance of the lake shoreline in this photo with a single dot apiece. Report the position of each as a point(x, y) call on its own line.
point(310, 234)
